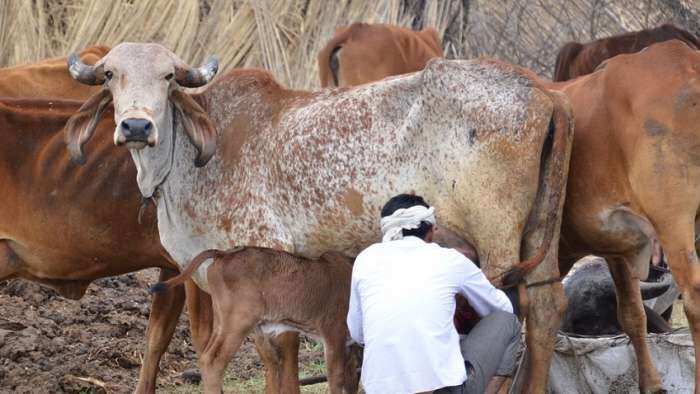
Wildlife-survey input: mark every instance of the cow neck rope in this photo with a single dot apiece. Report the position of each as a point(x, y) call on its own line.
point(154, 195)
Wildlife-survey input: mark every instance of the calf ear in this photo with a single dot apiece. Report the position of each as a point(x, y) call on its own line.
point(197, 125)
point(82, 124)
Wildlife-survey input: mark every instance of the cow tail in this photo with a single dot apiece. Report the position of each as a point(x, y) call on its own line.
point(565, 59)
point(161, 287)
point(554, 166)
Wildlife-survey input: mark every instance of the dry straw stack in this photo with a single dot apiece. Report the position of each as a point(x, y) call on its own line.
point(280, 35)
point(284, 36)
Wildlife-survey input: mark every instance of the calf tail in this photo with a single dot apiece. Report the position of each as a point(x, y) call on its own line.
point(161, 287)
point(552, 187)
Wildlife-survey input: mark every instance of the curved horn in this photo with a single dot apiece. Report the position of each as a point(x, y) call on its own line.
point(82, 72)
point(189, 77)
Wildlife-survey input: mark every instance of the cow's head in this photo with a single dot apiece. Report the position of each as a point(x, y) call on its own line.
point(144, 81)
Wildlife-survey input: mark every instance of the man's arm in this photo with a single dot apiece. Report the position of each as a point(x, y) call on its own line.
point(480, 293)
point(354, 319)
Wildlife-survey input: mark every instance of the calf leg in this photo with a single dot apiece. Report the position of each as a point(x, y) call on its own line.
point(165, 311)
point(231, 326)
point(280, 355)
point(335, 354)
point(630, 313)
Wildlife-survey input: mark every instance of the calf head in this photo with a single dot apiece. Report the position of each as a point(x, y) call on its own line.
point(144, 82)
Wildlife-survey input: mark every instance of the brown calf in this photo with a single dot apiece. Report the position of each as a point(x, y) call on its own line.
point(269, 291)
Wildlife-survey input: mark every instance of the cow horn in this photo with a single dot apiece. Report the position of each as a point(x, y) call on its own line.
point(189, 77)
point(82, 72)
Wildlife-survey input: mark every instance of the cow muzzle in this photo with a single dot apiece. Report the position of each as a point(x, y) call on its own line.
point(136, 133)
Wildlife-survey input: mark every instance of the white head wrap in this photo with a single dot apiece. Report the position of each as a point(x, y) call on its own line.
point(405, 218)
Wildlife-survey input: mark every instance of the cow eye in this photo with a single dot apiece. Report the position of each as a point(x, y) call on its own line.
point(169, 76)
point(108, 75)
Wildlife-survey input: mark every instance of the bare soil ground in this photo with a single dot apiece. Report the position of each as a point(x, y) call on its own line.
point(49, 344)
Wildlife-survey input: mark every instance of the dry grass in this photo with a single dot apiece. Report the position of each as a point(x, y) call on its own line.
point(284, 36)
point(280, 35)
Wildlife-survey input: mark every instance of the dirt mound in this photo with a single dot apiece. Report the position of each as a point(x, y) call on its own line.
point(51, 344)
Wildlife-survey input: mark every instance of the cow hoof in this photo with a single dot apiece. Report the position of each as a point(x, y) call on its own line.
point(192, 376)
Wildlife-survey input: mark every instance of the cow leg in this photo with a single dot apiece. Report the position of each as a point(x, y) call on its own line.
point(630, 314)
point(199, 309)
point(165, 312)
point(690, 289)
point(280, 355)
point(678, 241)
point(543, 320)
point(545, 305)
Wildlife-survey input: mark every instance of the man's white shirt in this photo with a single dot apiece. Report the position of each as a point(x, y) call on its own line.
point(402, 304)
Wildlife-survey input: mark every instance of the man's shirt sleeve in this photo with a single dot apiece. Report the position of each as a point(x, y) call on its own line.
point(480, 293)
point(354, 319)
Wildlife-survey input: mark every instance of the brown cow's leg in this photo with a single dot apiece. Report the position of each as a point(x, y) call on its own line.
point(691, 299)
point(630, 314)
point(165, 312)
point(280, 355)
point(199, 309)
point(678, 240)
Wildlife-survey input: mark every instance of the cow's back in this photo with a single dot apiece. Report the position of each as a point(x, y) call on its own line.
point(309, 172)
point(575, 59)
point(49, 78)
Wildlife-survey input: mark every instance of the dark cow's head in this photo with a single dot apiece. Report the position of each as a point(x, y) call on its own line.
point(592, 303)
point(144, 81)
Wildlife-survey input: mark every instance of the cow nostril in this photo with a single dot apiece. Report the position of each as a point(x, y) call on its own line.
point(147, 127)
point(125, 125)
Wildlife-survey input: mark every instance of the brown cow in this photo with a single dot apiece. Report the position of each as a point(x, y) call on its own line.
point(273, 292)
point(48, 78)
point(576, 59)
point(72, 233)
point(362, 53)
point(634, 175)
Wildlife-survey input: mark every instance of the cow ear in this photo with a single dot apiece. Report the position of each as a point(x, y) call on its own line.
point(82, 124)
point(197, 125)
